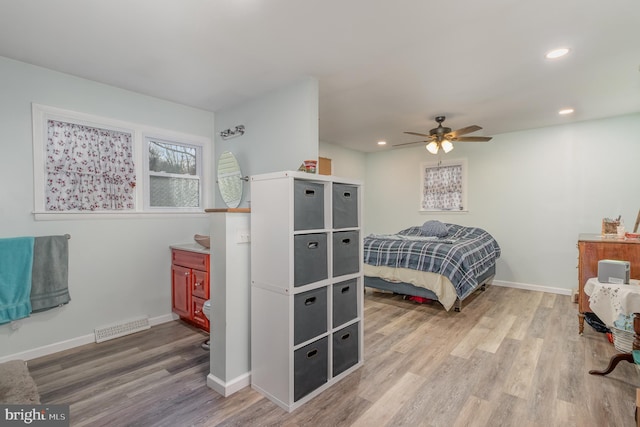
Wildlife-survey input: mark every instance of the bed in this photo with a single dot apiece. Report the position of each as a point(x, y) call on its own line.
point(437, 261)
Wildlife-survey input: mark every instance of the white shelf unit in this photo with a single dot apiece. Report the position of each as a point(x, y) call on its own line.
point(306, 284)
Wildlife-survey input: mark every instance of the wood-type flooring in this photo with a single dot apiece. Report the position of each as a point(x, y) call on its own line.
point(511, 357)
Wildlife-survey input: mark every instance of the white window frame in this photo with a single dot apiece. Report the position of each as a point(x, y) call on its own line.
point(424, 166)
point(42, 113)
point(148, 173)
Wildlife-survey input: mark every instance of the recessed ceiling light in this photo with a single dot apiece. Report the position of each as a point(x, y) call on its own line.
point(557, 53)
point(382, 142)
point(565, 111)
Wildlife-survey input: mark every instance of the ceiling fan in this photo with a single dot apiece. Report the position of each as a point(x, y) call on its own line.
point(443, 137)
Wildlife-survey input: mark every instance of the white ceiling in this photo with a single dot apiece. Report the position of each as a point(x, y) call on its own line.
point(383, 66)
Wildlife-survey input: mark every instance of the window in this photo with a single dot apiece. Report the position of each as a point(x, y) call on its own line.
point(88, 168)
point(89, 165)
point(444, 186)
point(174, 171)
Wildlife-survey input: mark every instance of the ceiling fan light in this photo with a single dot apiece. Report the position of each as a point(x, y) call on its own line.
point(432, 147)
point(447, 146)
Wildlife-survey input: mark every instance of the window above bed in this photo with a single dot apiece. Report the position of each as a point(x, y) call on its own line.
point(443, 186)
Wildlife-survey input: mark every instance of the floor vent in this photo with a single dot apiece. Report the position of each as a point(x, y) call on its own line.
point(121, 329)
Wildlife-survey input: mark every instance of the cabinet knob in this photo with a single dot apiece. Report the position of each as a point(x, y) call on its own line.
point(197, 312)
point(186, 274)
point(197, 284)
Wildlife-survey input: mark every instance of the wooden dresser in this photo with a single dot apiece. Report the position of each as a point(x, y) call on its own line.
point(593, 248)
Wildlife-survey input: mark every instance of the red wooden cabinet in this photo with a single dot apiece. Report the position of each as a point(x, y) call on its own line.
point(190, 286)
point(180, 285)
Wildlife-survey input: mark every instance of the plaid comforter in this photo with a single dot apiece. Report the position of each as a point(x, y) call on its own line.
point(463, 255)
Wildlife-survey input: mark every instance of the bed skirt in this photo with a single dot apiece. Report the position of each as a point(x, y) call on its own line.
point(405, 288)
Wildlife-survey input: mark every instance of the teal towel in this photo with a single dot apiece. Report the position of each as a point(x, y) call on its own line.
point(16, 261)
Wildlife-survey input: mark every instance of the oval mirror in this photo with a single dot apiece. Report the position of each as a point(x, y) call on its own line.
point(229, 179)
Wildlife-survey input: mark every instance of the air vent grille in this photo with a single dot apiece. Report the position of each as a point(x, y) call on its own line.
point(121, 329)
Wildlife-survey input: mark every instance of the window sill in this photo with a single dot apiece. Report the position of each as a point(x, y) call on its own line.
point(65, 216)
point(428, 211)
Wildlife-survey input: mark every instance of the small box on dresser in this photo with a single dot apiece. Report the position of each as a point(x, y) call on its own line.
point(306, 284)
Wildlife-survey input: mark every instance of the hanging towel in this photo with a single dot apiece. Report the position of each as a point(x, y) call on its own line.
point(49, 286)
point(16, 260)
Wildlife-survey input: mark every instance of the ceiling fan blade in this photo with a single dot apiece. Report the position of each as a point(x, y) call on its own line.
point(471, 139)
point(463, 131)
point(419, 134)
point(409, 143)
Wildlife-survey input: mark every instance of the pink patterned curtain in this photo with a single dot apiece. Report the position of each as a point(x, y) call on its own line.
point(443, 188)
point(88, 169)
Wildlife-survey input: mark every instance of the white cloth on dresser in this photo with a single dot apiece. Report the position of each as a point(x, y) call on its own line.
point(609, 300)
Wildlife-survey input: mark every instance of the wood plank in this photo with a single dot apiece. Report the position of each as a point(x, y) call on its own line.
point(479, 333)
point(511, 357)
point(521, 374)
point(497, 335)
point(475, 412)
point(391, 401)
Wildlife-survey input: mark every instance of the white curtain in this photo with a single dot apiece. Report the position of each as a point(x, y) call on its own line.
point(88, 168)
point(442, 188)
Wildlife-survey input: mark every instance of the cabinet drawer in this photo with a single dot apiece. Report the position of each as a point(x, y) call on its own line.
point(310, 258)
point(310, 368)
point(345, 206)
point(191, 259)
point(309, 315)
point(346, 252)
point(198, 317)
point(345, 348)
point(308, 211)
point(345, 302)
point(200, 286)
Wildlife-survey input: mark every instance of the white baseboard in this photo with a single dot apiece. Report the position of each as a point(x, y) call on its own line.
point(72, 343)
point(549, 289)
point(228, 388)
point(163, 319)
point(51, 348)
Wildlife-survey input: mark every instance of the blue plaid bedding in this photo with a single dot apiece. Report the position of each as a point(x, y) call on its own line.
point(463, 255)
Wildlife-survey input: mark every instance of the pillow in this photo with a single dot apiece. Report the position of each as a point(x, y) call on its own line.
point(434, 228)
point(416, 230)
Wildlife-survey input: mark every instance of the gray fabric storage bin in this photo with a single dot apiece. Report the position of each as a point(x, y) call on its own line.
point(345, 206)
point(345, 302)
point(309, 258)
point(310, 367)
point(345, 348)
point(309, 315)
point(308, 205)
point(346, 252)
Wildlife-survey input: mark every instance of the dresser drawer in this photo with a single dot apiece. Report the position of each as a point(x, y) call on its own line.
point(190, 259)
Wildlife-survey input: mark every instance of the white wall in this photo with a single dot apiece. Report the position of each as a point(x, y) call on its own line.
point(281, 131)
point(345, 163)
point(118, 268)
point(535, 191)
